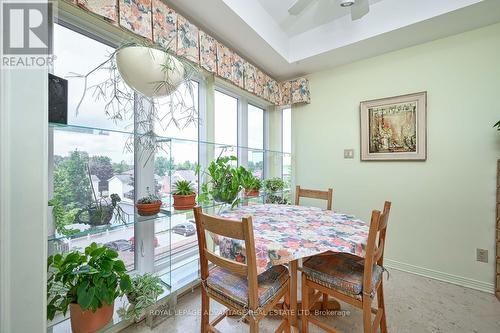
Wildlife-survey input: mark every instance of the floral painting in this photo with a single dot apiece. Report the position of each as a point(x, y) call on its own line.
point(135, 15)
point(208, 52)
point(105, 8)
point(224, 62)
point(394, 128)
point(164, 25)
point(237, 70)
point(249, 77)
point(187, 40)
point(300, 91)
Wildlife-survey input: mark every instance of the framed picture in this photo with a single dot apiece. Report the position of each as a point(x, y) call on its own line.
point(394, 128)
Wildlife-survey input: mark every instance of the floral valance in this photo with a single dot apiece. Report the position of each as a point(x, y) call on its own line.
point(154, 20)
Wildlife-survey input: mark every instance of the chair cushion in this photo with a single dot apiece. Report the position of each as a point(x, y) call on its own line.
point(341, 271)
point(234, 288)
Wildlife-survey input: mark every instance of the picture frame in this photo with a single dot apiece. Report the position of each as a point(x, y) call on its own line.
point(394, 128)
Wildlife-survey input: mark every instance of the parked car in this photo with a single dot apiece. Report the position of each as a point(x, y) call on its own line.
point(118, 245)
point(185, 229)
point(132, 242)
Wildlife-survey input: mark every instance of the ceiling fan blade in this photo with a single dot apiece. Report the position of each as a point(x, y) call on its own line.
point(359, 9)
point(298, 7)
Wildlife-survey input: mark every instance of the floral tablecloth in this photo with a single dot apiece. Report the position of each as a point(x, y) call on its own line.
point(284, 233)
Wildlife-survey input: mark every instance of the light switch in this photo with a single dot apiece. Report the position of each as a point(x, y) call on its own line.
point(348, 153)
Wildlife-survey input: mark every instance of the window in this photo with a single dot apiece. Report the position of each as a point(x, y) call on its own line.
point(87, 159)
point(175, 236)
point(286, 140)
point(256, 140)
point(226, 124)
point(78, 54)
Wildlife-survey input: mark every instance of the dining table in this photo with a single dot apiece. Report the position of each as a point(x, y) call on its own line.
point(285, 234)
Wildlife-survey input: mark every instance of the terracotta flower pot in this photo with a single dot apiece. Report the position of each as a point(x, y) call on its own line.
point(184, 202)
point(148, 209)
point(88, 321)
point(251, 193)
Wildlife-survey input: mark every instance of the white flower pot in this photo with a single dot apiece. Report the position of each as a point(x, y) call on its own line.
point(145, 70)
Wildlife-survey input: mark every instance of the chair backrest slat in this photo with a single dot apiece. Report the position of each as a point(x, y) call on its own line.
point(314, 194)
point(233, 266)
point(374, 250)
point(224, 227)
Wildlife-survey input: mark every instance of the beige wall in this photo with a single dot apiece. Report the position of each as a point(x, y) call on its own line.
point(444, 208)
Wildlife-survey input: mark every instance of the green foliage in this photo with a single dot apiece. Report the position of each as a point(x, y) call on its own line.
point(225, 181)
point(63, 218)
point(163, 165)
point(121, 167)
point(254, 166)
point(91, 279)
point(273, 188)
point(497, 125)
point(274, 184)
point(277, 199)
point(183, 187)
point(144, 293)
point(186, 165)
point(101, 167)
point(71, 182)
point(150, 198)
point(250, 182)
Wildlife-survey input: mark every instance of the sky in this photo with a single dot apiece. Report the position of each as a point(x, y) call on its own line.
point(79, 54)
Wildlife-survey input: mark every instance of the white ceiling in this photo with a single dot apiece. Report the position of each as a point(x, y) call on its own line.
point(323, 35)
point(319, 12)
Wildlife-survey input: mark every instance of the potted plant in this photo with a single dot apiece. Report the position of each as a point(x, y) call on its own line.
point(134, 73)
point(225, 181)
point(153, 72)
point(88, 283)
point(274, 191)
point(101, 210)
point(184, 195)
point(251, 184)
point(149, 204)
point(144, 292)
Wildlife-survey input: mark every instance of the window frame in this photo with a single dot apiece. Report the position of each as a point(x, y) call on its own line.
point(242, 123)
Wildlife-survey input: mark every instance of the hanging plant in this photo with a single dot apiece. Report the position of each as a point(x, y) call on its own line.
point(497, 125)
point(145, 79)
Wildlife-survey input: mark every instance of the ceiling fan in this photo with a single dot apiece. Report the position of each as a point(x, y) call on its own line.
point(359, 8)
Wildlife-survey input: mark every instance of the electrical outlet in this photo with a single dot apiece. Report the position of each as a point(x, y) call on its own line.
point(482, 255)
point(348, 153)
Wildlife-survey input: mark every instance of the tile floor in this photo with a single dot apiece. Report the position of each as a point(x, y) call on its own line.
point(414, 304)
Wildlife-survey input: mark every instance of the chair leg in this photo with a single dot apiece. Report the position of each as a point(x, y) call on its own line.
point(254, 325)
point(367, 314)
point(305, 304)
point(205, 311)
point(381, 305)
point(286, 314)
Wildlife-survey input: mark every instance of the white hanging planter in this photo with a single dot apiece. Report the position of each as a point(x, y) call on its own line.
point(149, 71)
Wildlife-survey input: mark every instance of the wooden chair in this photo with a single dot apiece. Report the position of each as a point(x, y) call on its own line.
point(234, 284)
point(314, 194)
point(350, 278)
point(321, 195)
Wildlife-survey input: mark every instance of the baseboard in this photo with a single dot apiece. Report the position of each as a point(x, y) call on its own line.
point(441, 276)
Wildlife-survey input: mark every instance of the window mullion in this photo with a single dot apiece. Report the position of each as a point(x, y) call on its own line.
point(143, 179)
point(243, 132)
